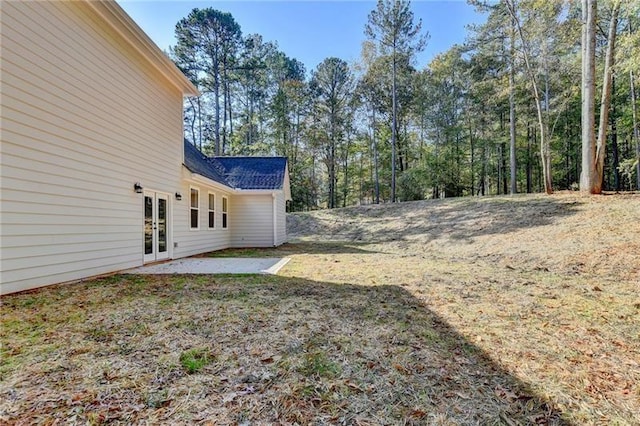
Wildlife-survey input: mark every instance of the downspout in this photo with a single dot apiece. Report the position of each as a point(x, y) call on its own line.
point(275, 221)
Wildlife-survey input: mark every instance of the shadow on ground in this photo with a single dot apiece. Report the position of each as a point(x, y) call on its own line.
point(283, 350)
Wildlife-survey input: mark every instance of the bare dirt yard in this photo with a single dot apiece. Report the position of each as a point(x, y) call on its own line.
point(502, 310)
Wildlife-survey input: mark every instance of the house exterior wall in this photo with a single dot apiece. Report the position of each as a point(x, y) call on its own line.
point(83, 117)
point(189, 241)
point(251, 220)
point(281, 218)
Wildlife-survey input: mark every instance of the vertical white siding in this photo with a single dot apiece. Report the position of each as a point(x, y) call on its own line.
point(281, 218)
point(251, 220)
point(83, 117)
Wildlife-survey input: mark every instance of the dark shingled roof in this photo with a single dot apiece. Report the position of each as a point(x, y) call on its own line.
point(237, 172)
point(254, 172)
point(200, 164)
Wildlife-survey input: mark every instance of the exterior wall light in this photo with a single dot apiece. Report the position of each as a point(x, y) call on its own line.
point(137, 187)
point(178, 196)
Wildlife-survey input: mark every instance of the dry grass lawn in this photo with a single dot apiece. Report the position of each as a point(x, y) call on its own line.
point(522, 310)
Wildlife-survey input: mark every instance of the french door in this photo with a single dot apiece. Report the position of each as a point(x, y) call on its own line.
point(156, 226)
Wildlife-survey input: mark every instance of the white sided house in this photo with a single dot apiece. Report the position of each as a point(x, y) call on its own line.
point(94, 174)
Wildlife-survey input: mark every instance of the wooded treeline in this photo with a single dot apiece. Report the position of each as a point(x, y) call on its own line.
point(499, 114)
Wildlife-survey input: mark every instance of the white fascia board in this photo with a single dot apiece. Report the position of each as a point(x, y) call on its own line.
point(256, 191)
point(199, 179)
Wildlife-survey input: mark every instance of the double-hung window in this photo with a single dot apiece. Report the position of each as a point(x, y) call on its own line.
point(225, 209)
point(212, 211)
point(194, 208)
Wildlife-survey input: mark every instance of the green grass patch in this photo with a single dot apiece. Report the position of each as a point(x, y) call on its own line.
point(318, 364)
point(194, 360)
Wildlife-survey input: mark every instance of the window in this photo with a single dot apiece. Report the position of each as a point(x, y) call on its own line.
point(225, 206)
point(194, 210)
point(212, 210)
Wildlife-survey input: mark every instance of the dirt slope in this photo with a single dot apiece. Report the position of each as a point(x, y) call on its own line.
point(563, 233)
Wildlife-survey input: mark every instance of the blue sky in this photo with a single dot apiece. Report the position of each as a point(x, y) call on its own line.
point(309, 31)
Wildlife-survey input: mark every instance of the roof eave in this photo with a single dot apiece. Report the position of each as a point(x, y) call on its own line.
point(238, 191)
point(197, 178)
point(122, 23)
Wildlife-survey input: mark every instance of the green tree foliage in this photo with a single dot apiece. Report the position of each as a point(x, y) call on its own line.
point(498, 114)
point(391, 24)
point(332, 88)
point(207, 43)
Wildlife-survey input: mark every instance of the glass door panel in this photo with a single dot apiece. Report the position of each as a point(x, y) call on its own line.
point(156, 226)
point(162, 227)
point(148, 224)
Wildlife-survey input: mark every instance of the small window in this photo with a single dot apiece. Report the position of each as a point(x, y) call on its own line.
point(225, 206)
point(194, 209)
point(212, 211)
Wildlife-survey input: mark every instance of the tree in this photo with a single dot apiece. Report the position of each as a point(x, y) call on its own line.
point(587, 175)
point(540, 94)
point(593, 150)
point(207, 40)
point(605, 102)
point(332, 86)
point(368, 93)
point(512, 107)
point(392, 25)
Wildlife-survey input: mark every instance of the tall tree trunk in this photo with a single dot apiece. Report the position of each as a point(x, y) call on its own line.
point(483, 170)
point(216, 94)
point(530, 136)
point(614, 141)
point(471, 143)
point(333, 177)
point(634, 115)
point(200, 121)
point(229, 108)
point(459, 183)
point(503, 159)
point(605, 102)
point(225, 80)
point(499, 162)
point(360, 179)
point(313, 192)
point(393, 128)
point(345, 186)
point(403, 149)
point(422, 126)
point(636, 131)
point(192, 123)
point(332, 172)
point(512, 110)
point(545, 151)
point(296, 140)
point(375, 155)
point(567, 154)
point(587, 175)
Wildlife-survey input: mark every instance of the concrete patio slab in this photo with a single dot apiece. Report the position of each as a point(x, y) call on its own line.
point(220, 265)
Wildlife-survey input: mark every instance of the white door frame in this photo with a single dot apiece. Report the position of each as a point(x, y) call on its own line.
point(156, 244)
